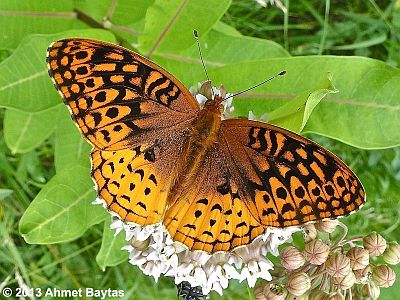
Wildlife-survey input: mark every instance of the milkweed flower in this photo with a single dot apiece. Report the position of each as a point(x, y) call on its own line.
point(155, 253)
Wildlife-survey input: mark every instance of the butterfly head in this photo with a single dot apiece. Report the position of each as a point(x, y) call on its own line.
point(216, 98)
point(215, 105)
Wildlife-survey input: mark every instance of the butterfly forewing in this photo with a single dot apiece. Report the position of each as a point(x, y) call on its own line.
point(286, 179)
point(117, 98)
point(125, 106)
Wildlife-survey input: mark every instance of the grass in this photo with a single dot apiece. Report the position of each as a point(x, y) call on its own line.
point(365, 28)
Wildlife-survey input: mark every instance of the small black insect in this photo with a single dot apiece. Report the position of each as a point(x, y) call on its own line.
point(187, 292)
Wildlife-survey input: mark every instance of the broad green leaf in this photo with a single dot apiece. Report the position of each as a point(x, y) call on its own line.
point(186, 66)
point(220, 49)
point(365, 113)
point(126, 18)
point(71, 148)
point(125, 12)
point(62, 211)
point(226, 29)
point(295, 114)
point(110, 253)
point(169, 24)
point(24, 131)
point(24, 82)
point(21, 18)
point(96, 10)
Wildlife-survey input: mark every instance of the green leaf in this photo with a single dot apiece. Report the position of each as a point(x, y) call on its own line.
point(125, 12)
point(62, 211)
point(70, 147)
point(295, 114)
point(169, 24)
point(365, 113)
point(21, 18)
point(24, 131)
point(110, 253)
point(226, 29)
point(126, 18)
point(235, 49)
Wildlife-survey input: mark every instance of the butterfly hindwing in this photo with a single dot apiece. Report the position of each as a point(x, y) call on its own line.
point(286, 179)
point(135, 182)
point(117, 98)
point(212, 216)
point(129, 184)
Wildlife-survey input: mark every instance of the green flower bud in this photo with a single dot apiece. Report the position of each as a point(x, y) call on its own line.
point(317, 294)
point(338, 265)
point(374, 243)
point(363, 276)
point(328, 226)
point(298, 283)
point(383, 276)
point(371, 290)
point(392, 254)
point(140, 245)
point(359, 258)
point(291, 258)
point(293, 297)
point(270, 291)
point(316, 252)
point(335, 296)
point(345, 282)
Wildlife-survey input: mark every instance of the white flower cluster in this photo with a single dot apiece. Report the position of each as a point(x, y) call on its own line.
point(277, 3)
point(152, 249)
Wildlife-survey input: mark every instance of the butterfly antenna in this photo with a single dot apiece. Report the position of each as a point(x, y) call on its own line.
point(196, 36)
point(281, 73)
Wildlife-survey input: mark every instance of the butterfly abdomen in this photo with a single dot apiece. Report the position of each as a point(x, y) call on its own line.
point(203, 135)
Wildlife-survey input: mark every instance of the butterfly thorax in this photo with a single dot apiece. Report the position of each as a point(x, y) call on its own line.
point(202, 137)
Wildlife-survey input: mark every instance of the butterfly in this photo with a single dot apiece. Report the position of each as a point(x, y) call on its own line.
point(159, 157)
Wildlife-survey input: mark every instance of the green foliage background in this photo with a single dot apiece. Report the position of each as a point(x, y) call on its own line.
point(342, 88)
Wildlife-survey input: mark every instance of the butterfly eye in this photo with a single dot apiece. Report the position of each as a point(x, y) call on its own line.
point(209, 102)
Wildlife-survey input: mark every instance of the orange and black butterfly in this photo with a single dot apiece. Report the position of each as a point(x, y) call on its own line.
point(158, 157)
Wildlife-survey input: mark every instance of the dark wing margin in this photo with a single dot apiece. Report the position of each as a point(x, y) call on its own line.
point(286, 179)
point(117, 98)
